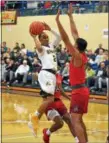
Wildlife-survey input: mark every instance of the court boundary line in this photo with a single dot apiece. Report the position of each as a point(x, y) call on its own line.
point(21, 121)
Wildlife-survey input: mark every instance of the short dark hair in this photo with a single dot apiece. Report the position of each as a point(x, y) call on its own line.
point(82, 44)
point(39, 36)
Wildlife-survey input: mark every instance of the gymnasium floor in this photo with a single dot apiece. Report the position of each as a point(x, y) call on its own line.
point(15, 111)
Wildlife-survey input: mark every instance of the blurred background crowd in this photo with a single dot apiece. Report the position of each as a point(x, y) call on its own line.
point(30, 8)
point(21, 66)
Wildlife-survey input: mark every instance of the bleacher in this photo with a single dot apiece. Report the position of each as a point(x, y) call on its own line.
point(32, 8)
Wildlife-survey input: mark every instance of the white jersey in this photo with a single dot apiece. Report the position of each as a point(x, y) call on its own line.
point(48, 56)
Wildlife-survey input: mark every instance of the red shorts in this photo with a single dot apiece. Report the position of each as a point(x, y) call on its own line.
point(79, 101)
point(59, 106)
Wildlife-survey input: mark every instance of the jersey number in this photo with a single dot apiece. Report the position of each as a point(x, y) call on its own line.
point(54, 58)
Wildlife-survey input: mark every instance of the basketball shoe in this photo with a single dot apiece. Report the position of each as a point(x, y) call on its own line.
point(33, 123)
point(46, 137)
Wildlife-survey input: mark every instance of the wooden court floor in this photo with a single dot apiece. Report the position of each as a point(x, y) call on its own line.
point(15, 111)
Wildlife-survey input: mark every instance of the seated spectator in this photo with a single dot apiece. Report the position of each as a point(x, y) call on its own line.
point(23, 49)
point(27, 59)
point(99, 73)
point(106, 60)
point(4, 47)
point(101, 69)
point(99, 47)
point(2, 50)
point(65, 74)
point(21, 73)
point(103, 79)
point(19, 57)
point(11, 69)
point(62, 58)
point(6, 55)
point(90, 74)
point(16, 48)
point(93, 64)
point(36, 67)
point(90, 54)
point(7, 61)
point(3, 70)
point(100, 57)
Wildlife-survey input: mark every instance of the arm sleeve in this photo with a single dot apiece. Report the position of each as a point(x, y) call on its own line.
point(56, 40)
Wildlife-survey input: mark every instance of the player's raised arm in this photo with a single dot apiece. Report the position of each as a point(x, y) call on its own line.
point(57, 37)
point(73, 51)
point(74, 30)
point(37, 44)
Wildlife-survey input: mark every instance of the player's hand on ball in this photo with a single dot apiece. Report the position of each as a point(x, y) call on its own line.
point(70, 10)
point(58, 14)
point(47, 27)
point(34, 36)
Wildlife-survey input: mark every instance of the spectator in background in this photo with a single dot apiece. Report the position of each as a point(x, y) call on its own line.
point(23, 49)
point(106, 59)
point(65, 74)
point(24, 57)
point(16, 48)
point(19, 57)
point(21, 73)
point(62, 58)
point(101, 69)
point(90, 74)
point(6, 69)
point(6, 55)
point(3, 70)
point(4, 47)
point(99, 47)
point(99, 73)
point(47, 4)
point(90, 54)
point(100, 57)
point(11, 68)
point(2, 50)
point(36, 67)
point(103, 79)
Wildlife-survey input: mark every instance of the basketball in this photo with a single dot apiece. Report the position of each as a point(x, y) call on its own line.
point(36, 28)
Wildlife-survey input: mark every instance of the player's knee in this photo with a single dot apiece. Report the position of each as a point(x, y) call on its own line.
point(68, 121)
point(58, 121)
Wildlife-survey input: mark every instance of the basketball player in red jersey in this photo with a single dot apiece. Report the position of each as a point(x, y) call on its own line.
point(80, 93)
point(57, 112)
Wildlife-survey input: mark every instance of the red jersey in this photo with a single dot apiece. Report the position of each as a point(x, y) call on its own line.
point(77, 74)
point(58, 83)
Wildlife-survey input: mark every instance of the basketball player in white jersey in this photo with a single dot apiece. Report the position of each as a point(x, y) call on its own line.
point(46, 77)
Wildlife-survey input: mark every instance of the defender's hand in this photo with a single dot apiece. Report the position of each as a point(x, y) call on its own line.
point(34, 36)
point(47, 27)
point(58, 14)
point(70, 10)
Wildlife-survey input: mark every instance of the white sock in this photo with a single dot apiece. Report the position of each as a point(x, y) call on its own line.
point(48, 132)
point(76, 139)
point(37, 113)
